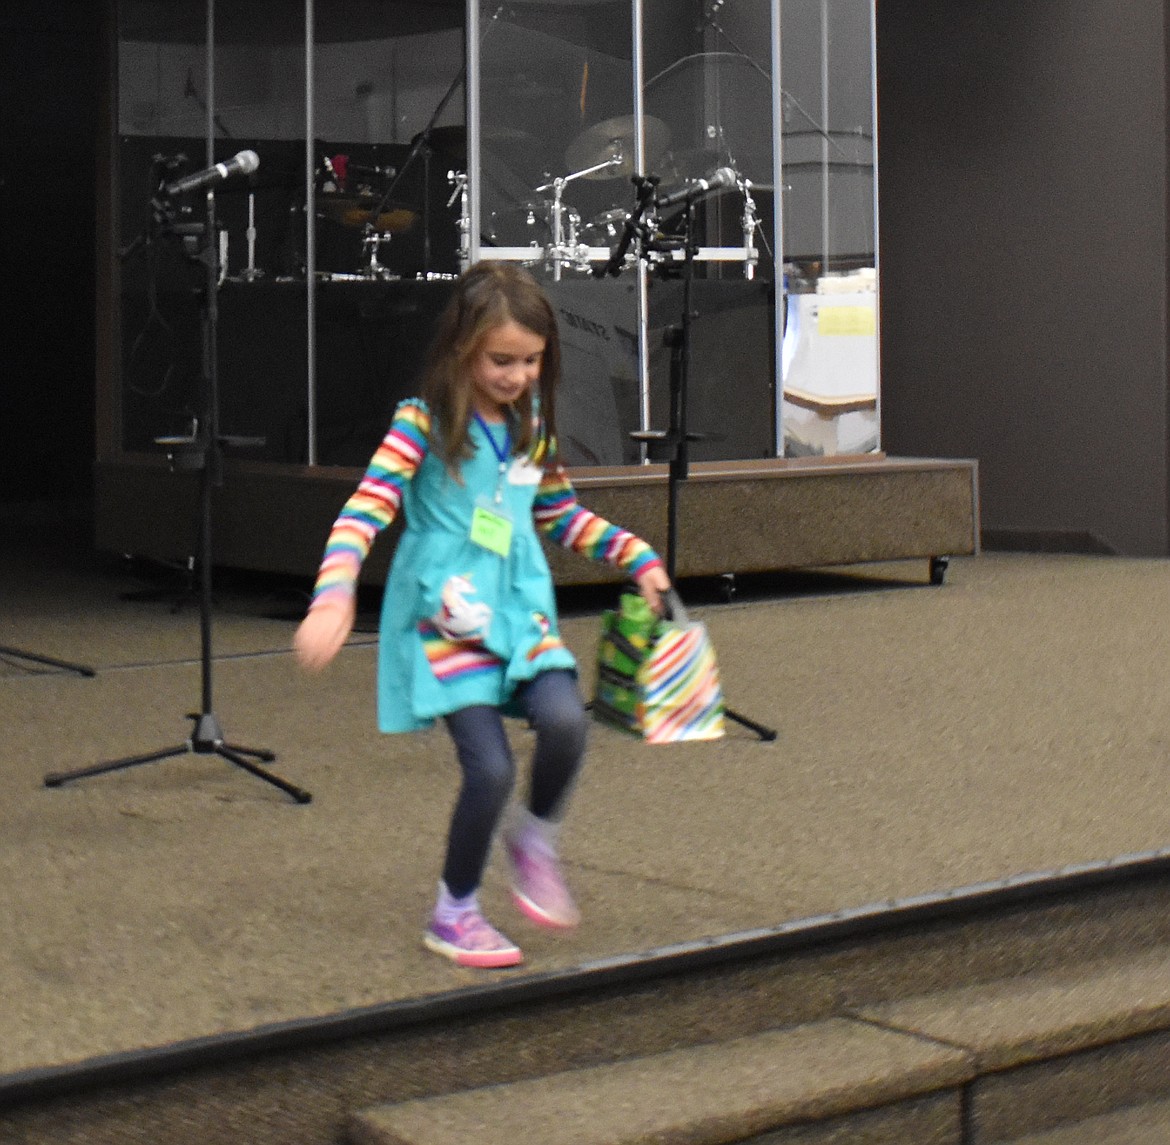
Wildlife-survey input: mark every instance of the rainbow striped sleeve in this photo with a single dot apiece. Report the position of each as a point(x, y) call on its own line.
point(563, 519)
point(375, 502)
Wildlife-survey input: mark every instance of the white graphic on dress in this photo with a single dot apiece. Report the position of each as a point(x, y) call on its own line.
point(524, 472)
point(461, 619)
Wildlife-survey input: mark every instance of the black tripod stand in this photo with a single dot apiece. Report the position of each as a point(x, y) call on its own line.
point(7, 652)
point(17, 654)
point(202, 451)
point(673, 444)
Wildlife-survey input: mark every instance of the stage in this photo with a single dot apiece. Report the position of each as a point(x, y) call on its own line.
point(1012, 720)
point(786, 513)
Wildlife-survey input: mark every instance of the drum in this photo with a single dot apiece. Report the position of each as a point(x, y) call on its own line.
point(529, 224)
point(606, 228)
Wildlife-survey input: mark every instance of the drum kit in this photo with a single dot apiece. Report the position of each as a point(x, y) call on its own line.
point(542, 230)
point(558, 240)
point(551, 231)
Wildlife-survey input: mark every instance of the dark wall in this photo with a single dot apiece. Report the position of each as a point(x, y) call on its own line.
point(48, 124)
point(1023, 240)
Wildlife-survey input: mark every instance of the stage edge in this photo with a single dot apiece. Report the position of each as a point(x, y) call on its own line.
point(734, 516)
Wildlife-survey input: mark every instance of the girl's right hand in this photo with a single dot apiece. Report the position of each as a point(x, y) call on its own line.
point(324, 630)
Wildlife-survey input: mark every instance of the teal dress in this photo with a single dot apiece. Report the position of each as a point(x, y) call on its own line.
point(463, 624)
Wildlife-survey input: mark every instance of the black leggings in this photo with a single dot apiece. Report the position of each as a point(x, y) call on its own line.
point(555, 709)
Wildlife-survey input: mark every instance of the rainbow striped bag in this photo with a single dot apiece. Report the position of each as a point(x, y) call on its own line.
point(657, 678)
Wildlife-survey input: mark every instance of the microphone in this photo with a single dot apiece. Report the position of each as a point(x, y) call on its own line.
point(724, 177)
point(242, 164)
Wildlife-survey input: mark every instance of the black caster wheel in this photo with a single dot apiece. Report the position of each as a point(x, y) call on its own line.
point(938, 569)
point(727, 587)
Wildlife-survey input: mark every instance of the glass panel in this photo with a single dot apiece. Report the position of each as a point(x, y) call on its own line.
point(558, 142)
point(253, 101)
point(390, 148)
point(160, 127)
point(389, 127)
point(708, 97)
point(830, 349)
point(561, 128)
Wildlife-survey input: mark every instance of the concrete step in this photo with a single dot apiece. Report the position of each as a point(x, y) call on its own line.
point(1145, 1124)
point(977, 1064)
point(729, 1091)
point(1076, 971)
point(1051, 1047)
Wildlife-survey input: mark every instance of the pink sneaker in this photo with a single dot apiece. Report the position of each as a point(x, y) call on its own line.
point(538, 888)
point(472, 941)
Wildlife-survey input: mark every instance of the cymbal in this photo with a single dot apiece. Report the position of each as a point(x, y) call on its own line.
point(358, 210)
point(613, 138)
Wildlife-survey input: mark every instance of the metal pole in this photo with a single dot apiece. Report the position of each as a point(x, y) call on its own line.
point(876, 233)
point(781, 287)
point(643, 281)
point(471, 48)
point(210, 82)
point(825, 136)
point(310, 237)
point(210, 428)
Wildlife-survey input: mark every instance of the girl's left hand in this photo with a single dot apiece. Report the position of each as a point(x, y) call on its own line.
point(652, 584)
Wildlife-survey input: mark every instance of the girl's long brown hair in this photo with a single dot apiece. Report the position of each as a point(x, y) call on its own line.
point(486, 296)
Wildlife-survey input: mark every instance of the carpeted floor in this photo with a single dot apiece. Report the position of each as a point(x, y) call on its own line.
point(1015, 719)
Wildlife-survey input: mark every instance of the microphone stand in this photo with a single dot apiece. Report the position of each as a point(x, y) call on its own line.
point(202, 452)
point(422, 145)
point(673, 443)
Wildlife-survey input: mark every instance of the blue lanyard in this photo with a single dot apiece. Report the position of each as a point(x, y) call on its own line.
point(502, 455)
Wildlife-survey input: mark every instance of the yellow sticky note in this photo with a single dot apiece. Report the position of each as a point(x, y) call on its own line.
point(846, 320)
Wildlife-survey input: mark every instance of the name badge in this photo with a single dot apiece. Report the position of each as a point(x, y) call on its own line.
point(491, 530)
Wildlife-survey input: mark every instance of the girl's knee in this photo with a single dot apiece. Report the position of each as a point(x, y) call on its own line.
point(553, 700)
point(559, 710)
point(492, 777)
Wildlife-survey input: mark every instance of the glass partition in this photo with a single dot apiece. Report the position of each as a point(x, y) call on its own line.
point(388, 156)
point(197, 85)
point(829, 360)
point(399, 141)
point(572, 101)
point(558, 139)
point(335, 253)
point(708, 94)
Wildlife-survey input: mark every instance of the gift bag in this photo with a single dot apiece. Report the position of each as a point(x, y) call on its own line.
point(657, 677)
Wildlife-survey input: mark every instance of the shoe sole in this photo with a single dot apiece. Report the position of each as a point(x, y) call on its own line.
point(476, 959)
point(542, 917)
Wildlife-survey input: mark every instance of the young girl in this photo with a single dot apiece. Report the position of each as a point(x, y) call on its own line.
point(469, 628)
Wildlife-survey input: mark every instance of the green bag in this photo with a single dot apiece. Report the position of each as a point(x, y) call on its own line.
point(627, 634)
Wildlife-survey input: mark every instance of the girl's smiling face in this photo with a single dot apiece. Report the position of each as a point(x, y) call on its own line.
point(505, 365)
